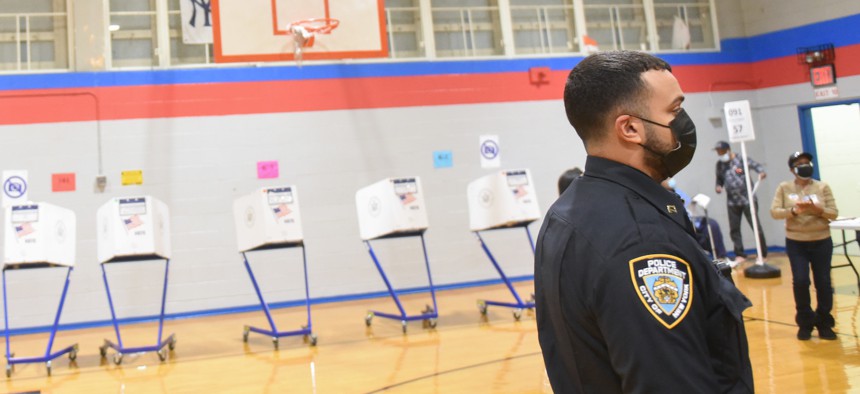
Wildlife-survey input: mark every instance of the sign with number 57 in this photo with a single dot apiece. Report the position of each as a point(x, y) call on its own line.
point(739, 121)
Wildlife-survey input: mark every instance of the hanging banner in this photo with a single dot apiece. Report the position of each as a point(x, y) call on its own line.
point(196, 18)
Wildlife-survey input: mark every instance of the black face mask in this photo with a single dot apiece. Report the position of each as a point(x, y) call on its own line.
point(804, 171)
point(684, 130)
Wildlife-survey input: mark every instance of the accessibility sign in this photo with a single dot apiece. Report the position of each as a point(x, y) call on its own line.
point(15, 187)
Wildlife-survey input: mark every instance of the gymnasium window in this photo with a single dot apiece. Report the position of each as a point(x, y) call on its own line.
point(34, 35)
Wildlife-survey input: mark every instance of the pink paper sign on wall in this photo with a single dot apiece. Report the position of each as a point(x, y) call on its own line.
point(267, 169)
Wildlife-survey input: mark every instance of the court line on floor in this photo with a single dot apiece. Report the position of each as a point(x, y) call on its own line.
point(459, 369)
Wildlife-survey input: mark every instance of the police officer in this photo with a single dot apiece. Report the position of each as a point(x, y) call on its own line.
point(626, 299)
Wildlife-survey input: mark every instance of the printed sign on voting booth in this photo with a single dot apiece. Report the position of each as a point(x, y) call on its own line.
point(133, 227)
point(39, 233)
point(268, 217)
point(391, 206)
point(502, 199)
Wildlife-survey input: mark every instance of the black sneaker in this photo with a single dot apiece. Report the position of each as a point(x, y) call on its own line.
point(825, 332)
point(805, 333)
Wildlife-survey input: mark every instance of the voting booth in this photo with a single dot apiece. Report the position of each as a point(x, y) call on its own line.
point(503, 200)
point(38, 235)
point(134, 229)
point(269, 218)
point(392, 208)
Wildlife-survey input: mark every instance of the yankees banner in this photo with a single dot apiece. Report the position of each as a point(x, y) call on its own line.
point(196, 21)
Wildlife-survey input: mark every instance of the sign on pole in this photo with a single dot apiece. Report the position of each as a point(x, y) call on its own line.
point(739, 121)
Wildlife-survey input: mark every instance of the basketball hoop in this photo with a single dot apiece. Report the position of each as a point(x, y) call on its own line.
point(305, 31)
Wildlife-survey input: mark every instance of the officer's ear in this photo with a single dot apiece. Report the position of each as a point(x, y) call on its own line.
point(629, 129)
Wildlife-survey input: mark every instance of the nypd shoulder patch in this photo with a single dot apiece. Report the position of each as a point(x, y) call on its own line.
point(664, 283)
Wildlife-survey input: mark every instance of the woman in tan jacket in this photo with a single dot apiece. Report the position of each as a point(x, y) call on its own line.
point(808, 206)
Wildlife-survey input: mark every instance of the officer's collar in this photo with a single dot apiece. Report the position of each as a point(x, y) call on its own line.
point(637, 181)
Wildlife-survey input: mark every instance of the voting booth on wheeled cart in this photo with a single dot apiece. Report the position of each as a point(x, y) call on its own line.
point(134, 229)
point(503, 200)
point(266, 219)
point(393, 208)
point(38, 235)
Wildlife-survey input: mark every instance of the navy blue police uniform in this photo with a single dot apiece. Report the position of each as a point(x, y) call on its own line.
point(626, 299)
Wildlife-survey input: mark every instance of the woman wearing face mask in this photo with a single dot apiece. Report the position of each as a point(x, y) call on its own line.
point(807, 205)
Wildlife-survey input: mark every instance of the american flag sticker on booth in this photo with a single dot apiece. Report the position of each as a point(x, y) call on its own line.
point(407, 198)
point(281, 210)
point(520, 192)
point(132, 222)
point(23, 229)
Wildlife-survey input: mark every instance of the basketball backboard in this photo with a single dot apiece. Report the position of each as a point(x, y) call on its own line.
point(260, 30)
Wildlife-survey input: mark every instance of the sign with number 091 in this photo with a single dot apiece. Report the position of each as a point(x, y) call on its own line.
point(739, 121)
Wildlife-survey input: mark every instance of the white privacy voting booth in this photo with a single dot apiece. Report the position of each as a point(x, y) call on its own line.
point(38, 235)
point(134, 229)
point(270, 218)
point(394, 207)
point(391, 207)
point(503, 199)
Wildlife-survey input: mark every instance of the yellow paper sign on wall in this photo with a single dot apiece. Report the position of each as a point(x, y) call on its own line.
point(134, 177)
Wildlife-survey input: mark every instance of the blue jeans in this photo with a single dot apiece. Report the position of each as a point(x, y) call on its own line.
point(818, 255)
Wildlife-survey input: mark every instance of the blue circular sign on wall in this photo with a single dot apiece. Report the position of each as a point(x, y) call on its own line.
point(489, 149)
point(15, 186)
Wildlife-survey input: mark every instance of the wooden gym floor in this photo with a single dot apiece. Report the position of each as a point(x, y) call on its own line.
point(464, 354)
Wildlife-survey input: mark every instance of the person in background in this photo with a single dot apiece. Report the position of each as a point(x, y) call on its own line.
point(808, 206)
point(730, 177)
point(703, 236)
point(566, 178)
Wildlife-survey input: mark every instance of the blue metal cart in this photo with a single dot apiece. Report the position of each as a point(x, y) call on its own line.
point(519, 305)
point(306, 331)
point(160, 344)
point(429, 315)
point(49, 356)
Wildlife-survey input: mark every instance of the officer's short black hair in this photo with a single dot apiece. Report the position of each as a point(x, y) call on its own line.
point(603, 83)
point(567, 178)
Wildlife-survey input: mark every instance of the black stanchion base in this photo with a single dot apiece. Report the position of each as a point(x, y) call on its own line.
point(763, 271)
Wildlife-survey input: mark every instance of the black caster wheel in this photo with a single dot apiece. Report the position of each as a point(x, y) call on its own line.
point(245, 333)
point(103, 351)
point(162, 354)
point(48, 367)
point(73, 354)
point(432, 323)
point(403, 323)
point(8, 370)
point(518, 313)
point(368, 319)
point(117, 358)
point(313, 339)
point(172, 344)
point(275, 342)
point(482, 307)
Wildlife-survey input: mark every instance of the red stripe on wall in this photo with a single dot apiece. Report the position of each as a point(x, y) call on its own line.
point(213, 99)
